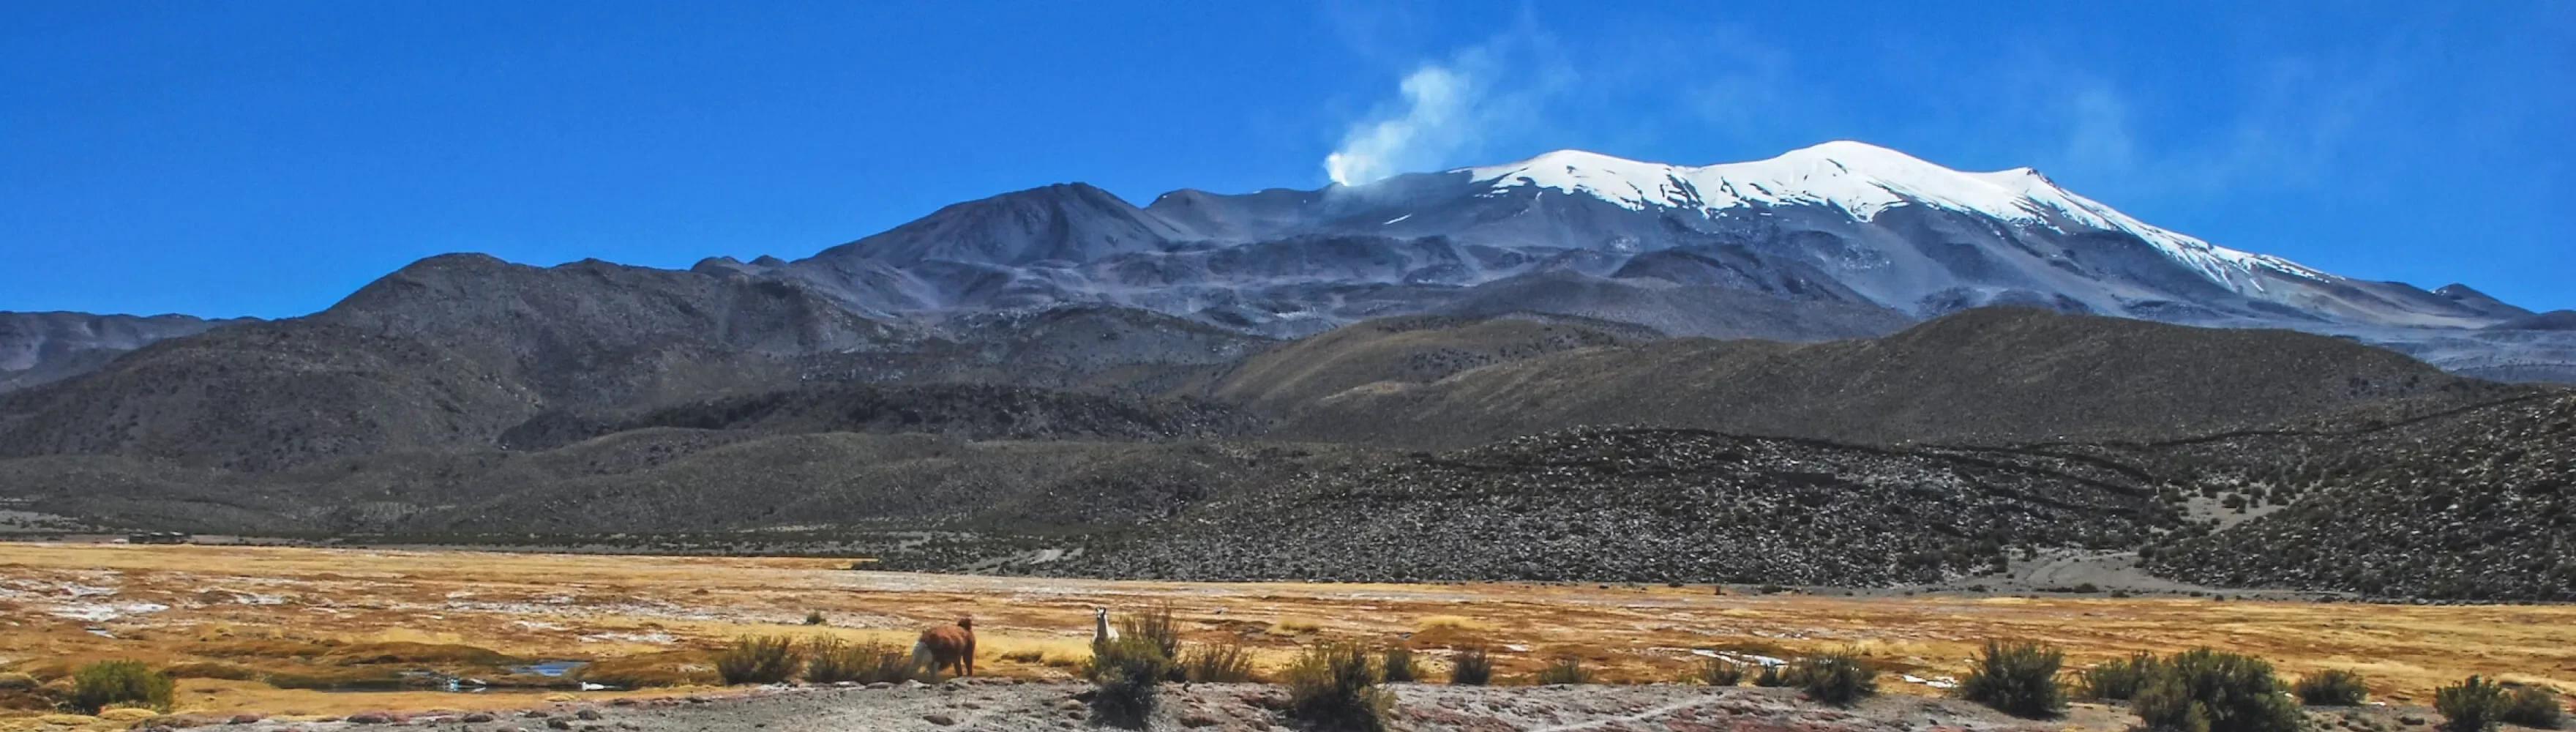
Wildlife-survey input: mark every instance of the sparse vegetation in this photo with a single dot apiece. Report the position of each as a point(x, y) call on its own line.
point(1772, 676)
point(1718, 672)
point(2019, 679)
point(1296, 626)
point(16, 681)
point(1334, 686)
point(1471, 666)
point(1128, 672)
point(1155, 627)
point(754, 659)
point(2119, 679)
point(1396, 664)
point(2202, 690)
point(119, 683)
point(1455, 622)
point(2473, 705)
point(831, 660)
point(814, 617)
point(671, 668)
point(2332, 688)
point(1216, 663)
point(2532, 706)
point(1834, 678)
point(1564, 670)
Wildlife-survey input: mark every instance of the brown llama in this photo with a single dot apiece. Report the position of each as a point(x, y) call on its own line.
point(946, 647)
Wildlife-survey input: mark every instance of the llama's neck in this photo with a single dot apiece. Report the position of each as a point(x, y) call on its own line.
point(1100, 628)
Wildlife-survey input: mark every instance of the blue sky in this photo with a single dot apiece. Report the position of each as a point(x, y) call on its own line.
point(267, 158)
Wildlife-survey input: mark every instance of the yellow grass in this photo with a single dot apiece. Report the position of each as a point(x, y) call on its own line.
point(1296, 626)
point(324, 611)
point(1454, 622)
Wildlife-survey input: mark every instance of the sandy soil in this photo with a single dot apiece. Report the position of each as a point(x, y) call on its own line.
point(268, 608)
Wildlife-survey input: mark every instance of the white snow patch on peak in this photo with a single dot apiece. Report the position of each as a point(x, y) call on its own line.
point(1862, 180)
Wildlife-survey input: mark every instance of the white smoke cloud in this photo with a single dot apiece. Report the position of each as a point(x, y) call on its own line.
point(1434, 120)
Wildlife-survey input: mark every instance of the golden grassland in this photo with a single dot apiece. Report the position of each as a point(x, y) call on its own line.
point(238, 622)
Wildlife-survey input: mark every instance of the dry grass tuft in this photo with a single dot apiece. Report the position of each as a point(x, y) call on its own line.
point(1453, 622)
point(1296, 626)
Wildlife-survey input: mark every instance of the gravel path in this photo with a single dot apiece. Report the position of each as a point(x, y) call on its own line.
point(1028, 706)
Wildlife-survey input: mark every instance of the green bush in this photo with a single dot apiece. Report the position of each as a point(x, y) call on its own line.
point(1718, 672)
point(1155, 627)
point(758, 659)
point(2120, 679)
point(1216, 663)
point(1397, 665)
point(2019, 679)
point(119, 683)
point(1471, 666)
point(1127, 672)
point(1564, 670)
point(814, 617)
point(2474, 705)
point(1834, 678)
point(2531, 706)
point(2202, 690)
point(1332, 686)
point(831, 660)
point(2333, 688)
point(1773, 676)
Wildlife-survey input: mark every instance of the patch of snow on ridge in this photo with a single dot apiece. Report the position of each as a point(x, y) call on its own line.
point(2210, 259)
point(1862, 180)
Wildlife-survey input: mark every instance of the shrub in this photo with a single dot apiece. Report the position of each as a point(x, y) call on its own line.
point(2470, 706)
point(1127, 671)
point(1216, 663)
point(1834, 678)
point(2120, 679)
point(1772, 676)
point(1333, 686)
point(831, 660)
point(2019, 679)
point(1396, 664)
point(1718, 672)
point(1564, 670)
point(814, 617)
point(15, 681)
point(758, 660)
point(2202, 690)
point(1155, 627)
point(1472, 666)
point(2334, 688)
point(106, 683)
point(2531, 706)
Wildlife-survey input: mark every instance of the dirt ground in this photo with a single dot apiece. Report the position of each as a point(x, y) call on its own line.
point(1019, 705)
point(1031, 707)
point(246, 616)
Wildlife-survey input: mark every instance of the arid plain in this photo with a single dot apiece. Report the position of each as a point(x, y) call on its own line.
point(237, 623)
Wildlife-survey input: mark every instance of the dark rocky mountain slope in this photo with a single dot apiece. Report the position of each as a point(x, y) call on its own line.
point(41, 348)
point(1989, 376)
point(2475, 504)
point(1639, 505)
point(447, 352)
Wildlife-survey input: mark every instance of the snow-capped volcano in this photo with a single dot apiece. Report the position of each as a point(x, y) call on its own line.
point(1834, 240)
point(1862, 180)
